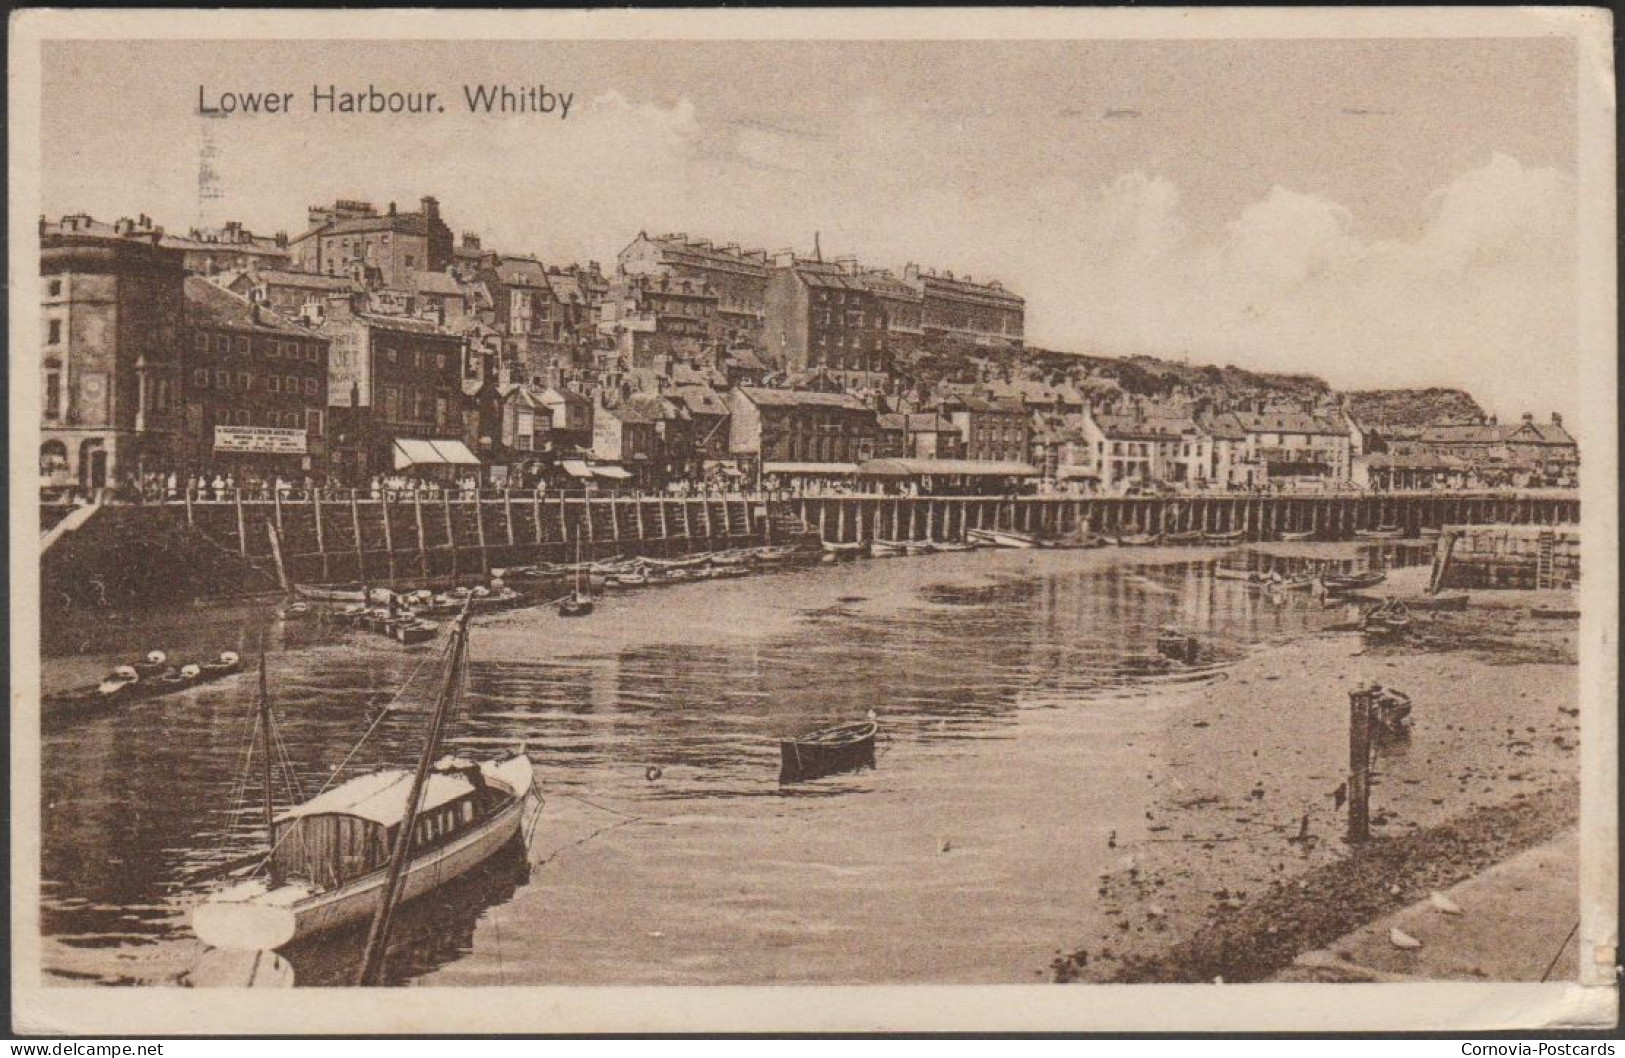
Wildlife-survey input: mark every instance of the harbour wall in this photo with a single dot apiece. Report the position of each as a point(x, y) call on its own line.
point(415, 537)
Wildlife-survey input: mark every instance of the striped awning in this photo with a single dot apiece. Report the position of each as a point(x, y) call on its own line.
point(411, 452)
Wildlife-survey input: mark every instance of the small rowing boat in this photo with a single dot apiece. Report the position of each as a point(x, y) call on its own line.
point(1178, 646)
point(1338, 583)
point(845, 747)
point(1554, 613)
point(137, 683)
point(1249, 576)
point(836, 552)
point(1381, 532)
point(1225, 538)
point(886, 548)
point(1290, 535)
point(1387, 621)
point(1139, 540)
point(1003, 538)
point(1191, 536)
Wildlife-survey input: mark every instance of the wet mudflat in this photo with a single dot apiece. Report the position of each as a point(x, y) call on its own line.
point(1016, 770)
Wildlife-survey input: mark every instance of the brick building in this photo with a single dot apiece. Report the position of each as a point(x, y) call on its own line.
point(993, 430)
point(736, 278)
point(959, 308)
point(113, 333)
point(825, 315)
point(393, 379)
point(786, 426)
point(255, 389)
point(383, 249)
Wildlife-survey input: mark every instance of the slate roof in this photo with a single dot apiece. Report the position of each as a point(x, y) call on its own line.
point(788, 398)
point(210, 305)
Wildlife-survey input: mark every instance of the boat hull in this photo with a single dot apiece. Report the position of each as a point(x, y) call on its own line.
point(802, 759)
point(251, 923)
point(1001, 538)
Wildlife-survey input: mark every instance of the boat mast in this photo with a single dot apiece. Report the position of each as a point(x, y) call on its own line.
point(372, 961)
point(265, 743)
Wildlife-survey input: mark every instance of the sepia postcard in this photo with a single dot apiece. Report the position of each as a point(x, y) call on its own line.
point(828, 521)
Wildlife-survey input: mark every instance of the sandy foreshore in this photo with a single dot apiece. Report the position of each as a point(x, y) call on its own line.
point(1240, 864)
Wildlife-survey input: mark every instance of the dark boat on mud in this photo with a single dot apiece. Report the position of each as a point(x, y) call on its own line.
point(1390, 620)
point(828, 751)
point(137, 683)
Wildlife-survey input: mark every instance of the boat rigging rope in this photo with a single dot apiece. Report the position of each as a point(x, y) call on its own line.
point(239, 788)
point(382, 713)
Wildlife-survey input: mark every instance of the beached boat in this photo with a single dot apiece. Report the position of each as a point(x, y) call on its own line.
point(828, 751)
point(1178, 646)
point(136, 683)
point(886, 548)
point(1080, 541)
point(341, 593)
point(1381, 532)
point(1143, 665)
point(1139, 540)
point(1387, 621)
point(1391, 711)
point(1275, 582)
point(1554, 613)
point(411, 630)
point(1345, 582)
point(1250, 576)
point(840, 551)
point(480, 599)
point(1189, 536)
point(579, 602)
point(1003, 538)
point(952, 545)
point(1235, 537)
point(1290, 535)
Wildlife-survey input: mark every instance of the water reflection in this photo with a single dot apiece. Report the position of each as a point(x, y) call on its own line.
point(136, 804)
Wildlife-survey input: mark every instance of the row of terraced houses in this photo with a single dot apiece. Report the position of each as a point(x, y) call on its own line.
point(376, 344)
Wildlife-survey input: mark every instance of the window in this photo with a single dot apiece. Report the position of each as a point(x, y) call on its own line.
point(56, 288)
point(310, 387)
point(411, 261)
point(201, 342)
point(242, 345)
point(390, 354)
point(54, 335)
point(53, 394)
point(273, 383)
point(200, 378)
point(290, 384)
point(222, 380)
point(313, 422)
point(245, 381)
point(222, 343)
point(242, 417)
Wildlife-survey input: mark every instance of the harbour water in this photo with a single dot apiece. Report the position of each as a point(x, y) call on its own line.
point(666, 851)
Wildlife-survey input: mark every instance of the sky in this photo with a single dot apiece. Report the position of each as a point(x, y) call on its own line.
point(1377, 212)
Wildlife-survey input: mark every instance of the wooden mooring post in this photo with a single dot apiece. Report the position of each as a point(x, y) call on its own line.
point(1360, 703)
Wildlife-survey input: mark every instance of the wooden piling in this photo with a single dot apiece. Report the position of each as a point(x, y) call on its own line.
point(1360, 702)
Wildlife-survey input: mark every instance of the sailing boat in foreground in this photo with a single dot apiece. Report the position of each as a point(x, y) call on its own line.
point(331, 858)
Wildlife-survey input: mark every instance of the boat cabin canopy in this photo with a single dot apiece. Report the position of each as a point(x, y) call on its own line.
point(348, 831)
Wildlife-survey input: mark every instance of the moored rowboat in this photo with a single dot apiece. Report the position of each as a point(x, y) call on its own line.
point(1002, 538)
point(828, 751)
